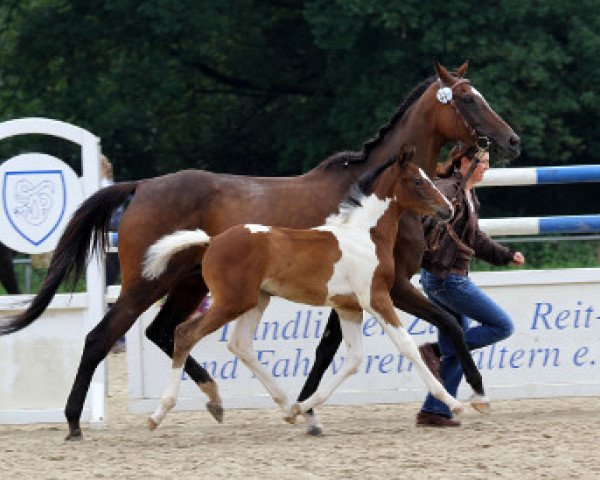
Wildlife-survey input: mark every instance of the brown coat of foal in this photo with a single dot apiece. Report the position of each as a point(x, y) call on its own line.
point(347, 264)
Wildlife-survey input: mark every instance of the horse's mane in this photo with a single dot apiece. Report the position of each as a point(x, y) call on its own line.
point(346, 158)
point(357, 192)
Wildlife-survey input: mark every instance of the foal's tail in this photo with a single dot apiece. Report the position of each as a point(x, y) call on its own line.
point(159, 253)
point(86, 232)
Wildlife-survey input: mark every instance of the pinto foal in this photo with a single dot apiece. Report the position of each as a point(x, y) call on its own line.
point(347, 264)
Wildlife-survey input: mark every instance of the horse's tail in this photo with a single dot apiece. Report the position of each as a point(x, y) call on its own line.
point(159, 253)
point(86, 232)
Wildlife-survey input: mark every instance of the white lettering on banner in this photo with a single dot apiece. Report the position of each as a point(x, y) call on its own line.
point(554, 351)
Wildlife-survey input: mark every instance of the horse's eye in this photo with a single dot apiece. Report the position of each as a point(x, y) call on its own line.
point(418, 181)
point(467, 99)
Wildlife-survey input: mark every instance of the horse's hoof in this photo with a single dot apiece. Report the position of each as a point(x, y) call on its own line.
point(290, 415)
point(75, 436)
point(152, 424)
point(291, 419)
point(216, 410)
point(313, 426)
point(459, 409)
point(481, 403)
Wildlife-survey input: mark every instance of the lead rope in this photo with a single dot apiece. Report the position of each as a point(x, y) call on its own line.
point(434, 237)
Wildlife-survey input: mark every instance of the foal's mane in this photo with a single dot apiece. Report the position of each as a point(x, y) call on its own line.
point(358, 191)
point(346, 158)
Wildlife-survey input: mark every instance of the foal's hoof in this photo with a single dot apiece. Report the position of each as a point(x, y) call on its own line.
point(216, 410)
point(481, 403)
point(294, 412)
point(291, 419)
point(459, 409)
point(152, 424)
point(314, 431)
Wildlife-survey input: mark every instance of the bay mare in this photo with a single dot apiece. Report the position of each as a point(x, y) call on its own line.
point(347, 264)
point(214, 202)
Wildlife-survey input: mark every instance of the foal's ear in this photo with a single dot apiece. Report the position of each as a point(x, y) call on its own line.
point(444, 75)
point(460, 72)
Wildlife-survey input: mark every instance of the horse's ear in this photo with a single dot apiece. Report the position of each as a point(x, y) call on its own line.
point(460, 72)
point(444, 75)
point(406, 155)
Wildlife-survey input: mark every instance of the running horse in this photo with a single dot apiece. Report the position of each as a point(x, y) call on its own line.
point(347, 264)
point(214, 202)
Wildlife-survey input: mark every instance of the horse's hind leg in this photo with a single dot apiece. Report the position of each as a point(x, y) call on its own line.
point(181, 302)
point(406, 297)
point(98, 343)
point(187, 334)
point(350, 323)
point(387, 318)
point(240, 344)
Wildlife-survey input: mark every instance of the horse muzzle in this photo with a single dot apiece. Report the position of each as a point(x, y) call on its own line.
point(506, 150)
point(444, 213)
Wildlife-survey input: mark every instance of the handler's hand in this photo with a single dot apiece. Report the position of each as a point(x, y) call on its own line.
point(518, 258)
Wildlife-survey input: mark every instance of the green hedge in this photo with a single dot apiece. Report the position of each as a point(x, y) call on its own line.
point(550, 254)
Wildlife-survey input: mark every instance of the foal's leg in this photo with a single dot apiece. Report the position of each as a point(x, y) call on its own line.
point(383, 310)
point(187, 335)
point(181, 302)
point(408, 298)
point(350, 322)
point(240, 344)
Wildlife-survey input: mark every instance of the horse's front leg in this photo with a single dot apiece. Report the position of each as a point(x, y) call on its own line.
point(408, 298)
point(383, 310)
point(326, 350)
point(350, 323)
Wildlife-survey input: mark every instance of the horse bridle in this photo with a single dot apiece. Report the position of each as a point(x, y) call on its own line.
point(481, 141)
point(447, 97)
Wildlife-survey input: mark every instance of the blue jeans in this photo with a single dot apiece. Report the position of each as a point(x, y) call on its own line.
point(460, 297)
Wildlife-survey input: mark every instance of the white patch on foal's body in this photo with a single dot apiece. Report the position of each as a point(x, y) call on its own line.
point(357, 247)
point(255, 228)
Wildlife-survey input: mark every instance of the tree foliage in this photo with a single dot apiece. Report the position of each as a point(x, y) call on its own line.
point(272, 87)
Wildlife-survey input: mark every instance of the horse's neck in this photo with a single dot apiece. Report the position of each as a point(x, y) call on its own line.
point(416, 128)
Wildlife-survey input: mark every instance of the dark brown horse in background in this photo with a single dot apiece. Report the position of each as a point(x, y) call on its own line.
point(214, 202)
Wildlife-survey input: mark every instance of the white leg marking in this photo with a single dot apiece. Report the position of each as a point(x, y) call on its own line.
point(352, 335)
point(240, 344)
point(313, 425)
point(168, 399)
point(407, 347)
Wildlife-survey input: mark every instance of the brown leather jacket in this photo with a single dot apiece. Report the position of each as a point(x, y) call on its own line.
point(448, 253)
